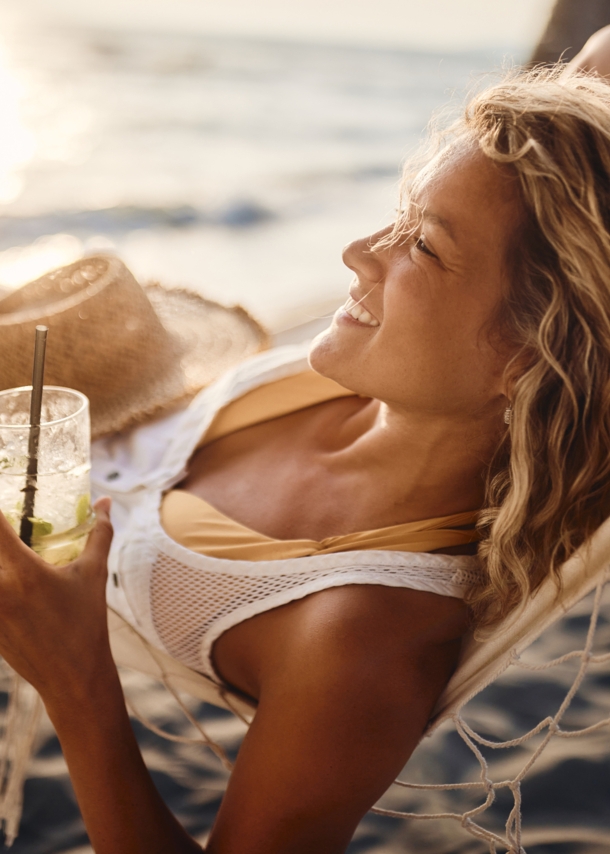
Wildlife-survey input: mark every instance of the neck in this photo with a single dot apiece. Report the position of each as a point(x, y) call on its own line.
point(434, 465)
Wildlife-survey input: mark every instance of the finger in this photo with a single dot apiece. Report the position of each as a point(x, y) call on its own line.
point(100, 538)
point(11, 547)
point(103, 505)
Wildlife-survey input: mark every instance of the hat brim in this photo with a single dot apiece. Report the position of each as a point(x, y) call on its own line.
point(211, 338)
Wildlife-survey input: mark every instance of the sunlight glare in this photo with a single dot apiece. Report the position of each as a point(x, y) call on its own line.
point(17, 143)
point(22, 264)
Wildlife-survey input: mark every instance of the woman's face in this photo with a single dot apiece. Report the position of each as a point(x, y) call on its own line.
point(426, 345)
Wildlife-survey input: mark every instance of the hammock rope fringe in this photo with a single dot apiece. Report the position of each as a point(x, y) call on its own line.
point(203, 739)
point(24, 709)
point(21, 724)
point(512, 839)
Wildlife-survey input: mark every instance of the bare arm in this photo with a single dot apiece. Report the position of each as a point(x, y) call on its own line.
point(594, 56)
point(346, 689)
point(53, 630)
point(122, 810)
point(348, 682)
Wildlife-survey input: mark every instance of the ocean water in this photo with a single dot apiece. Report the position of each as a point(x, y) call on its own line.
point(240, 168)
point(236, 167)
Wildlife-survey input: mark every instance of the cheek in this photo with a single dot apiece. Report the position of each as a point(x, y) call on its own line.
point(433, 339)
point(437, 310)
point(417, 315)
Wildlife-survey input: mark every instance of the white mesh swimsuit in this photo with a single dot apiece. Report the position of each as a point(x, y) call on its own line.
point(180, 601)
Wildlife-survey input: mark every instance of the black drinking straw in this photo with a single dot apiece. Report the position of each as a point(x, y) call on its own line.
point(31, 478)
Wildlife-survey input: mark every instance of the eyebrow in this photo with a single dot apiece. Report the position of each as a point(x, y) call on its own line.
point(440, 220)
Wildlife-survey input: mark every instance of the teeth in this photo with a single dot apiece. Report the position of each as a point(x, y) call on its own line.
point(360, 314)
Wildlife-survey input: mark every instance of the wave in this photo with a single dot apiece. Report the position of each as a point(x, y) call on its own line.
point(113, 221)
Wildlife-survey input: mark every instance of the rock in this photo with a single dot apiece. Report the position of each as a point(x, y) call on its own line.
point(569, 26)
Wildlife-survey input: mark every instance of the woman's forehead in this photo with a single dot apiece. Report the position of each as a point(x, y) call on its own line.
point(463, 161)
point(464, 190)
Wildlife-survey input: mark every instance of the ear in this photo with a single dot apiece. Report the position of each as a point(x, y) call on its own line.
point(517, 366)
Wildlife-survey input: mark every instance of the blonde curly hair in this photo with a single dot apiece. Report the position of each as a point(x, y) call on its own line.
point(548, 487)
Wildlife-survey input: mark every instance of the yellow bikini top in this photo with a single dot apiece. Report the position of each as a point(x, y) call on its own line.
point(200, 527)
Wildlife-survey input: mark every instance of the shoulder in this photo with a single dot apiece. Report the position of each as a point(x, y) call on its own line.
point(344, 699)
point(400, 639)
point(384, 620)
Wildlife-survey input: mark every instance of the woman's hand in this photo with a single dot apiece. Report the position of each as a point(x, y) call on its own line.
point(594, 56)
point(53, 626)
point(54, 632)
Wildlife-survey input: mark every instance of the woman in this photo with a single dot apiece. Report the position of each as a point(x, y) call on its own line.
point(475, 343)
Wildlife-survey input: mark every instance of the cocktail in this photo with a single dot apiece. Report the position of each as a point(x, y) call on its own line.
point(61, 517)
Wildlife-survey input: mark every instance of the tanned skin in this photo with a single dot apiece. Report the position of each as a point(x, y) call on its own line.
point(345, 678)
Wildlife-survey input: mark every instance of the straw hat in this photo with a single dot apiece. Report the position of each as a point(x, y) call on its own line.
point(134, 351)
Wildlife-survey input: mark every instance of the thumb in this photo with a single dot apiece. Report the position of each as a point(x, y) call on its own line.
point(100, 538)
point(11, 547)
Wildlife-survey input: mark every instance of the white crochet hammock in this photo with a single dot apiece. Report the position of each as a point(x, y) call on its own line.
point(481, 663)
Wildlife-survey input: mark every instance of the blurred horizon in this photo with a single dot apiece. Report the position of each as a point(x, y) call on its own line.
point(231, 153)
point(436, 25)
point(234, 148)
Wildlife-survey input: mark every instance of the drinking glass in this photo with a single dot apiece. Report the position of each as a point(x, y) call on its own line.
point(62, 516)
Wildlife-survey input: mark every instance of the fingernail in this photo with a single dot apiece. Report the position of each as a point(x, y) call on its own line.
point(103, 504)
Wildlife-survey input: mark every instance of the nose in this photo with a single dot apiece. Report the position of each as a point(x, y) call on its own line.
point(367, 265)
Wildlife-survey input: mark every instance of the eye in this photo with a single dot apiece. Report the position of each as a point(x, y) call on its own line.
point(420, 245)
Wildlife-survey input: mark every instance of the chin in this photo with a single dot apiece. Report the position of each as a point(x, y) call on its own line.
point(320, 348)
point(330, 356)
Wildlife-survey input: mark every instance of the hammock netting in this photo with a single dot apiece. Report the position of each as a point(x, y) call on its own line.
point(579, 690)
point(487, 799)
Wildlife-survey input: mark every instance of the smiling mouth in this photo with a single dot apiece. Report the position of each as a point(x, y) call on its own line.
point(360, 314)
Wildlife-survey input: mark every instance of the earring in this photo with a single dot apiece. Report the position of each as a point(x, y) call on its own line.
point(508, 413)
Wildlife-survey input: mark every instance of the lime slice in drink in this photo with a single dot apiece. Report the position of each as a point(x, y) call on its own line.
point(40, 528)
point(82, 508)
